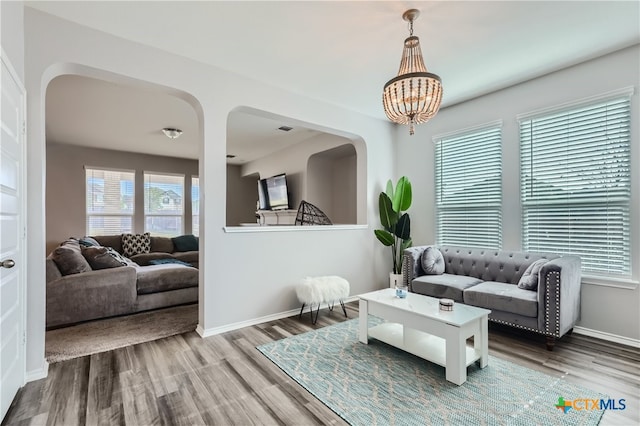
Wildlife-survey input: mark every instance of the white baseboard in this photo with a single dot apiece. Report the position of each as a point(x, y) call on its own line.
point(607, 336)
point(40, 373)
point(248, 323)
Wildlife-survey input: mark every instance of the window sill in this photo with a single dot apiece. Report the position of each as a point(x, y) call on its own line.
point(290, 228)
point(624, 283)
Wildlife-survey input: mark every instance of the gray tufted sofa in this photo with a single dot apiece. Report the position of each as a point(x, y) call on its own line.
point(488, 279)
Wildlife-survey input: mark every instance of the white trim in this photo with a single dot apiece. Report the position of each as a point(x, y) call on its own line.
point(607, 336)
point(289, 228)
point(625, 91)
point(248, 323)
point(623, 283)
point(107, 169)
point(470, 129)
point(40, 373)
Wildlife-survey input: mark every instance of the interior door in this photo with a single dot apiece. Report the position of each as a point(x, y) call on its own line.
point(12, 235)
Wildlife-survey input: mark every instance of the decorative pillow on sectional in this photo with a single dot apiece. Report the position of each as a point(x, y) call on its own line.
point(88, 242)
point(68, 258)
point(100, 257)
point(432, 261)
point(529, 280)
point(124, 261)
point(136, 243)
point(165, 261)
point(185, 243)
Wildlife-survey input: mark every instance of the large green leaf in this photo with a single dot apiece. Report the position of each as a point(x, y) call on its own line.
point(406, 244)
point(402, 196)
point(384, 237)
point(403, 227)
point(388, 217)
point(389, 190)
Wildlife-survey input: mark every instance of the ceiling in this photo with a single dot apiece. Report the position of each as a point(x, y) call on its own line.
point(339, 52)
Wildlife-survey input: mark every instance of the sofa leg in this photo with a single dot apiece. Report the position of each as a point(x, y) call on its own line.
point(551, 341)
point(569, 332)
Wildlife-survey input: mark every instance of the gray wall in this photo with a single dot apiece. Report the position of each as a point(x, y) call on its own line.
point(242, 194)
point(65, 191)
point(609, 306)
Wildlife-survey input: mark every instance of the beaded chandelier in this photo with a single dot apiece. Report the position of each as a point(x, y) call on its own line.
point(414, 96)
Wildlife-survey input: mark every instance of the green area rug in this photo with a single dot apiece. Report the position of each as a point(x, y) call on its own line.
point(377, 384)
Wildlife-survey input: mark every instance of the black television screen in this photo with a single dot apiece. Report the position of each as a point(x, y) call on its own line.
point(277, 192)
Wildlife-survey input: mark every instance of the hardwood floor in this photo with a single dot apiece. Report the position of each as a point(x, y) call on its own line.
point(224, 380)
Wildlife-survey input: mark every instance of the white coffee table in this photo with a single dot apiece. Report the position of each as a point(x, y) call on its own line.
point(417, 325)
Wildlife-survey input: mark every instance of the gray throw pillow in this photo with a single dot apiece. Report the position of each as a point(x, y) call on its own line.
point(100, 258)
point(88, 242)
point(68, 258)
point(529, 280)
point(432, 261)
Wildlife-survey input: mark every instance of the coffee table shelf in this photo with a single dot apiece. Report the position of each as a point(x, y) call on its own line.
point(424, 345)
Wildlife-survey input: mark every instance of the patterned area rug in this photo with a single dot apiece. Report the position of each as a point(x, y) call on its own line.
point(113, 333)
point(377, 384)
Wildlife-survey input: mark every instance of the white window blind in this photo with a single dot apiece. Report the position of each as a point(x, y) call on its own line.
point(469, 188)
point(195, 205)
point(576, 185)
point(110, 201)
point(163, 204)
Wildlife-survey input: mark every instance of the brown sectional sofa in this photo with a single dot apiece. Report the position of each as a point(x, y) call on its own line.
point(93, 294)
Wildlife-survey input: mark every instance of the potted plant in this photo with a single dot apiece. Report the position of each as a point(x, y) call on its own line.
point(393, 204)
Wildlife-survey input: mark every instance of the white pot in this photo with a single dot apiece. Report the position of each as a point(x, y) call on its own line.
point(395, 280)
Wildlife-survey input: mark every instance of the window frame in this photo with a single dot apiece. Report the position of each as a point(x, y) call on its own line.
point(89, 215)
point(147, 214)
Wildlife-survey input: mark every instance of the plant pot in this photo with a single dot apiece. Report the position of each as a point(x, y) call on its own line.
point(395, 280)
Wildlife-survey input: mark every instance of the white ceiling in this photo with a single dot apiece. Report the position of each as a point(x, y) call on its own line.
point(342, 52)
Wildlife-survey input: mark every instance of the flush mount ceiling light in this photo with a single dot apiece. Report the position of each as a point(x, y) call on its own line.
point(414, 96)
point(172, 133)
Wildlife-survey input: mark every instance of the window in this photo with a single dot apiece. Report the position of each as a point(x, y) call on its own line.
point(575, 183)
point(195, 205)
point(163, 204)
point(110, 201)
point(469, 187)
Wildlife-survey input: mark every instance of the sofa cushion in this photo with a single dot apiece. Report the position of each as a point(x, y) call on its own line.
point(503, 297)
point(162, 244)
point(432, 261)
point(136, 243)
point(146, 258)
point(168, 261)
point(187, 256)
point(114, 241)
point(157, 278)
point(446, 285)
point(69, 259)
point(185, 243)
point(529, 280)
point(100, 257)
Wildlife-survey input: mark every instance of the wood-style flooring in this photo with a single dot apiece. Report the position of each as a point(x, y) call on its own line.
point(224, 380)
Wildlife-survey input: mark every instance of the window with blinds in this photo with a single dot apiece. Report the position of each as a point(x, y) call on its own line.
point(195, 205)
point(163, 204)
point(110, 201)
point(468, 177)
point(576, 186)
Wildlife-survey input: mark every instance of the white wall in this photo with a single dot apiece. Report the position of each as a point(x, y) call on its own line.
point(613, 310)
point(12, 33)
point(245, 275)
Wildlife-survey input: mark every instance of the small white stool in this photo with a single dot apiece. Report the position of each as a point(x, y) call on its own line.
point(318, 290)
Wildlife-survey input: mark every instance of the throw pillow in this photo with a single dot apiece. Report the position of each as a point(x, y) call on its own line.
point(100, 257)
point(136, 243)
point(185, 243)
point(88, 242)
point(432, 261)
point(124, 261)
point(69, 259)
point(529, 280)
point(167, 261)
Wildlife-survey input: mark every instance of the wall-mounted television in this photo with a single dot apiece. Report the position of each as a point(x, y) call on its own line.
point(273, 193)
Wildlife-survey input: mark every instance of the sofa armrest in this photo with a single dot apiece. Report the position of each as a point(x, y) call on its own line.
point(411, 265)
point(90, 295)
point(559, 295)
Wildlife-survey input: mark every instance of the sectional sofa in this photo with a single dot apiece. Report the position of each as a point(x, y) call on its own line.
point(490, 279)
point(93, 282)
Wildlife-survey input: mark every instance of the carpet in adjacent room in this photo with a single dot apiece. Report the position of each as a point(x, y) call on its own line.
point(112, 333)
point(379, 384)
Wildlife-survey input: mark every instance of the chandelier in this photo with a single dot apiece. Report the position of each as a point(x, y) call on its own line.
point(414, 96)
